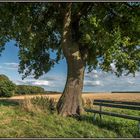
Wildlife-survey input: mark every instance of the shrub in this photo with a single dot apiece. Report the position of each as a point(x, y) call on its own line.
point(38, 105)
point(26, 89)
point(7, 87)
point(44, 103)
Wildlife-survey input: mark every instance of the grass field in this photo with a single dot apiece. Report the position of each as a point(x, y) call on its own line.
point(18, 120)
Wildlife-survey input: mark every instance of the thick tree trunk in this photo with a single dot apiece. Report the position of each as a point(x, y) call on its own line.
point(70, 102)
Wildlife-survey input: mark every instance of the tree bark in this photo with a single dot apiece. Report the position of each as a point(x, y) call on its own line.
point(70, 103)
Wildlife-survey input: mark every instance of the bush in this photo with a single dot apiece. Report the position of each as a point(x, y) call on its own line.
point(7, 87)
point(26, 89)
point(38, 105)
point(44, 103)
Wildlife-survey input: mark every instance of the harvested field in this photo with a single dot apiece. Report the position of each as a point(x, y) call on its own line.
point(91, 96)
point(114, 96)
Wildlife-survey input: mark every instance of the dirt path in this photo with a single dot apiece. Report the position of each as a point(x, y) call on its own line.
point(92, 96)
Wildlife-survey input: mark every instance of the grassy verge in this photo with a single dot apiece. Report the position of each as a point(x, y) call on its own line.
point(34, 119)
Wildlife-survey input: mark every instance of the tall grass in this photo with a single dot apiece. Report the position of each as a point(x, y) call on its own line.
point(38, 104)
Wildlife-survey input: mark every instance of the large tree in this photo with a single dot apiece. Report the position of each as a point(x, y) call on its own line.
point(85, 34)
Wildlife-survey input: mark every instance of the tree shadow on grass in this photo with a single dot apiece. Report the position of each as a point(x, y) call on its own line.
point(111, 125)
point(7, 102)
point(101, 124)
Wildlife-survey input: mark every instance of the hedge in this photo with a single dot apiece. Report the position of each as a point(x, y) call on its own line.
point(26, 89)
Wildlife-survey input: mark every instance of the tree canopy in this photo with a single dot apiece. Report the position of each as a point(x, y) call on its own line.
point(107, 33)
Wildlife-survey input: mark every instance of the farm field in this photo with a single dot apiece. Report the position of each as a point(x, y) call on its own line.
point(35, 120)
point(88, 95)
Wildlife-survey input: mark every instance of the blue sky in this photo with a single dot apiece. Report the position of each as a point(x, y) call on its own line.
point(96, 81)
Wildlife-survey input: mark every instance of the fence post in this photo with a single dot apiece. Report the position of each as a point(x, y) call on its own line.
point(100, 111)
point(139, 127)
point(94, 117)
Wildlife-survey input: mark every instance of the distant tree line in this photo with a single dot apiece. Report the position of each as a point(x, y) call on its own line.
point(27, 89)
point(8, 88)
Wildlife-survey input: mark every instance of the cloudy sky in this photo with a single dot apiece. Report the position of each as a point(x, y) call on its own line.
point(96, 81)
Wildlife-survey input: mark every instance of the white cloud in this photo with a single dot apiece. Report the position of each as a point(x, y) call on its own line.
point(56, 79)
point(113, 67)
point(52, 77)
point(12, 65)
point(23, 82)
point(107, 81)
point(92, 83)
point(94, 71)
point(41, 83)
point(35, 82)
point(96, 76)
point(131, 82)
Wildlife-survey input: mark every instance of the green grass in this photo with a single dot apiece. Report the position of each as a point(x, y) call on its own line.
point(16, 121)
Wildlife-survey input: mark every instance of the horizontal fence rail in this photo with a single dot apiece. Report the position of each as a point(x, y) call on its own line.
point(118, 102)
point(114, 114)
point(132, 107)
